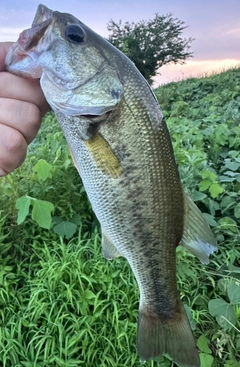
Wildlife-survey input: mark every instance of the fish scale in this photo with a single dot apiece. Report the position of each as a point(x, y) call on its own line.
point(121, 147)
point(149, 182)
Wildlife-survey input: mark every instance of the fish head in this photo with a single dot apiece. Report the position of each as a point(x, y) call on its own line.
point(76, 72)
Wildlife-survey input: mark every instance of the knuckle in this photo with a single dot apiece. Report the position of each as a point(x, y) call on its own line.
point(15, 142)
point(13, 148)
point(32, 115)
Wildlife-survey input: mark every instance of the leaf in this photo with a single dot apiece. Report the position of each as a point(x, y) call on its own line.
point(41, 213)
point(223, 312)
point(231, 173)
point(213, 206)
point(222, 285)
point(210, 219)
point(208, 131)
point(22, 204)
point(190, 318)
point(56, 220)
point(228, 223)
point(204, 185)
point(233, 166)
point(88, 294)
point(43, 169)
point(233, 290)
point(209, 174)
point(227, 201)
point(77, 219)
point(226, 179)
point(215, 190)
point(238, 178)
point(206, 360)
point(203, 344)
point(58, 154)
point(237, 211)
point(65, 229)
point(198, 196)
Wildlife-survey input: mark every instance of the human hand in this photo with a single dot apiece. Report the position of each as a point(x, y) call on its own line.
point(22, 106)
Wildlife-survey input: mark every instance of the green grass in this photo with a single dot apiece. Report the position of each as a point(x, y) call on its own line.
point(62, 303)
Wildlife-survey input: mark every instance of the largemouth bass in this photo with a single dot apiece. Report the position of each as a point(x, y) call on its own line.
point(121, 147)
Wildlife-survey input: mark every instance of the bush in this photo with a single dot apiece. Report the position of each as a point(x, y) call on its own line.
point(61, 302)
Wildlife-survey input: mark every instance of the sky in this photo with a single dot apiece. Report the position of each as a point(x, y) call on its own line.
point(214, 24)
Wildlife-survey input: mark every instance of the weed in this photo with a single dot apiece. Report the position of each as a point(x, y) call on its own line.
point(61, 303)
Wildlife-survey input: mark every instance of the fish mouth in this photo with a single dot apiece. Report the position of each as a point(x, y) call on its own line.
point(26, 50)
point(42, 14)
point(14, 55)
point(15, 59)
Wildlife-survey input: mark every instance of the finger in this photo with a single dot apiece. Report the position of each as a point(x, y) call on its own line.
point(4, 47)
point(22, 116)
point(24, 89)
point(13, 149)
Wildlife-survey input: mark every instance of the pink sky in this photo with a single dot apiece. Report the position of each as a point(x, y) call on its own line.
point(193, 68)
point(214, 24)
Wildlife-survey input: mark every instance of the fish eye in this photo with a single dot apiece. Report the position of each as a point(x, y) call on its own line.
point(75, 33)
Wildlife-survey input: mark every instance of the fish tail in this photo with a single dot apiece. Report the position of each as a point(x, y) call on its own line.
point(159, 335)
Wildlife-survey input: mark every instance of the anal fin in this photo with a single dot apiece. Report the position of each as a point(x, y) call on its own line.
point(109, 251)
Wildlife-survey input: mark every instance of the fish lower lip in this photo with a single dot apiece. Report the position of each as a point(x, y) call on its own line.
point(15, 55)
point(15, 58)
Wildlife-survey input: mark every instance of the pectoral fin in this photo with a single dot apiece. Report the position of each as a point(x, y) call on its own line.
point(109, 251)
point(104, 156)
point(197, 235)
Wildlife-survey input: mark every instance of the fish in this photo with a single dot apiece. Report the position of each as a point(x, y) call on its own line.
point(121, 146)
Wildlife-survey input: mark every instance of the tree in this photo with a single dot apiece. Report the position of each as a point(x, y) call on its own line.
point(151, 44)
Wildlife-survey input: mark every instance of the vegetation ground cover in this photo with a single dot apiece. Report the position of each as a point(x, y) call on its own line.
point(61, 302)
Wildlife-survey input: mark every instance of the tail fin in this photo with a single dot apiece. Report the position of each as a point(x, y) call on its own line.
point(159, 335)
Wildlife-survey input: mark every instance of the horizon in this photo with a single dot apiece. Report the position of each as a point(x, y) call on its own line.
point(214, 26)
